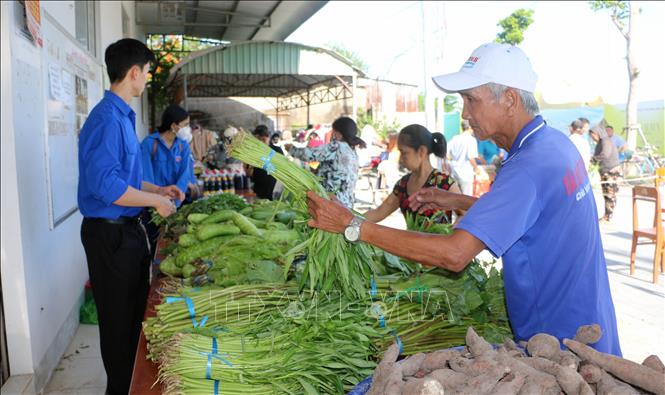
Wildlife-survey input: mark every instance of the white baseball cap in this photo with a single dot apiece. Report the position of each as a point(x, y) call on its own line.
point(492, 62)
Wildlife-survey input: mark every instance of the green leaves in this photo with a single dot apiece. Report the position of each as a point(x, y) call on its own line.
point(514, 27)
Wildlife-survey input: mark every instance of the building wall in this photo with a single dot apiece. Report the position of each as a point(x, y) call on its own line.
point(43, 270)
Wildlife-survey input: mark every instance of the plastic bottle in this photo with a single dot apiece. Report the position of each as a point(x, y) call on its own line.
point(237, 181)
point(229, 182)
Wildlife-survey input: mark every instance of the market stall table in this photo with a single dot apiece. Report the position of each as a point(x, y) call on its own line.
point(145, 373)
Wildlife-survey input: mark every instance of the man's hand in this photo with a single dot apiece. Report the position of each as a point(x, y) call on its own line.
point(432, 199)
point(172, 192)
point(164, 206)
point(328, 215)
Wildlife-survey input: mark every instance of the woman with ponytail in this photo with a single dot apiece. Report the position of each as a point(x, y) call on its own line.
point(415, 144)
point(338, 159)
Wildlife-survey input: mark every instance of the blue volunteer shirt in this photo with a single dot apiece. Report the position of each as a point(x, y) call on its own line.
point(165, 166)
point(109, 159)
point(540, 216)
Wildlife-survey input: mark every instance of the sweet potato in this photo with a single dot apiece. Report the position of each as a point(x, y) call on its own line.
point(544, 345)
point(510, 345)
point(411, 365)
point(424, 386)
point(569, 360)
point(569, 380)
point(484, 383)
point(608, 385)
point(437, 360)
point(387, 372)
point(654, 363)
point(509, 385)
point(536, 381)
point(628, 371)
point(394, 384)
point(588, 334)
point(590, 373)
point(448, 378)
point(476, 344)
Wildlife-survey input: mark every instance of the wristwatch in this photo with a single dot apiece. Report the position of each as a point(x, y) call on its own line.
point(352, 231)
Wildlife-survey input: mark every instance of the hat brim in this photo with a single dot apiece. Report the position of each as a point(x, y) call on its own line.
point(459, 81)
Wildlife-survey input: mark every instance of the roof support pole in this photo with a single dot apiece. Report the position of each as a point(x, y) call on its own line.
point(308, 102)
point(354, 79)
point(184, 85)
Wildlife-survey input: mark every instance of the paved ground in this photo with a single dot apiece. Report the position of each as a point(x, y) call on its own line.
point(639, 304)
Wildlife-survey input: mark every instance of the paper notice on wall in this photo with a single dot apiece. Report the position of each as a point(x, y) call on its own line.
point(33, 20)
point(55, 82)
point(67, 88)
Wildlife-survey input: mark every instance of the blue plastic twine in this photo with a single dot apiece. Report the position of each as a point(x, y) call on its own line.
point(190, 307)
point(267, 164)
point(216, 355)
point(373, 291)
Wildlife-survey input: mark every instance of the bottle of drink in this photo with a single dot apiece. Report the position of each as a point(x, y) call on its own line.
point(229, 182)
point(237, 181)
point(217, 185)
point(206, 184)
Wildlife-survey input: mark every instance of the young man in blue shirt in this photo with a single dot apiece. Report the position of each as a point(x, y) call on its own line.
point(539, 216)
point(111, 195)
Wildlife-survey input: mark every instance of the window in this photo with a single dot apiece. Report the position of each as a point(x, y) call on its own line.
point(20, 18)
point(85, 24)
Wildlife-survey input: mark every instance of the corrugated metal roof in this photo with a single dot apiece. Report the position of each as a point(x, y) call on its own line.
point(261, 68)
point(228, 20)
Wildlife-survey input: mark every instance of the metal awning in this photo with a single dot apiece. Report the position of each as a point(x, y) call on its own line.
point(297, 75)
point(225, 20)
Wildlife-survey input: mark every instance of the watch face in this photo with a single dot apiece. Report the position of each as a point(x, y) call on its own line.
point(351, 233)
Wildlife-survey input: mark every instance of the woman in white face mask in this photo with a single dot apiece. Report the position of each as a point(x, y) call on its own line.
point(166, 155)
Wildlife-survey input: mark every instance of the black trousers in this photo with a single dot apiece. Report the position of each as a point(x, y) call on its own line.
point(118, 265)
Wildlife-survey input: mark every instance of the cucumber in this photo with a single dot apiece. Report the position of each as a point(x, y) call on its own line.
point(245, 225)
point(187, 240)
point(246, 210)
point(209, 231)
point(169, 267)
point(219, 216)
point(261, 215)
point(282, 236)
point(276, 226)
point(285, 216)
point(196, 218)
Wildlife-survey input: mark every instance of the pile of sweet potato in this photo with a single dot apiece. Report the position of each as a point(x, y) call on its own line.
point(483, 369)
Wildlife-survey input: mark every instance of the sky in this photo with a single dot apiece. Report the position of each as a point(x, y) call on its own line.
point(577, 53)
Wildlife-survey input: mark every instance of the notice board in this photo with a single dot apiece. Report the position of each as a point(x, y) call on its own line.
point(73, 84)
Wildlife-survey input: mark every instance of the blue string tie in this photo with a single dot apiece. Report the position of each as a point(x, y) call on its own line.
point(267, 164)
point(373, 291)
point(190, 307)
point(216, 355)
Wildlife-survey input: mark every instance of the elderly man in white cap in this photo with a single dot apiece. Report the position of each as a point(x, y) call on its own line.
point(540, 215)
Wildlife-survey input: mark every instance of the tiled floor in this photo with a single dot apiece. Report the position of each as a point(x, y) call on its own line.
point(640, 308)
point(81, 370)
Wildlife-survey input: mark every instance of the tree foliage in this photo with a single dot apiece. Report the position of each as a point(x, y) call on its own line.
point(169, 50)
point(355, 59)
point(514, 27)
point(619, 12)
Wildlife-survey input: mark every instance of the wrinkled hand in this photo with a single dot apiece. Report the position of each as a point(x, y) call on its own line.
point(328, 215)
point(164, 206)
point(172, 192)
point(431, 199)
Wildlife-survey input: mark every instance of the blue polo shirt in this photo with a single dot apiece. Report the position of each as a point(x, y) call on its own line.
point(165, 166)
point(109, 159)
point(540, 216)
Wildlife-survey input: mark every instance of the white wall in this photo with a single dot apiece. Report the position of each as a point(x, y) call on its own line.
point(43, 271)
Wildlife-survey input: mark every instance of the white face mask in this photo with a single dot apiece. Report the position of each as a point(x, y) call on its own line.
point(185, 133)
